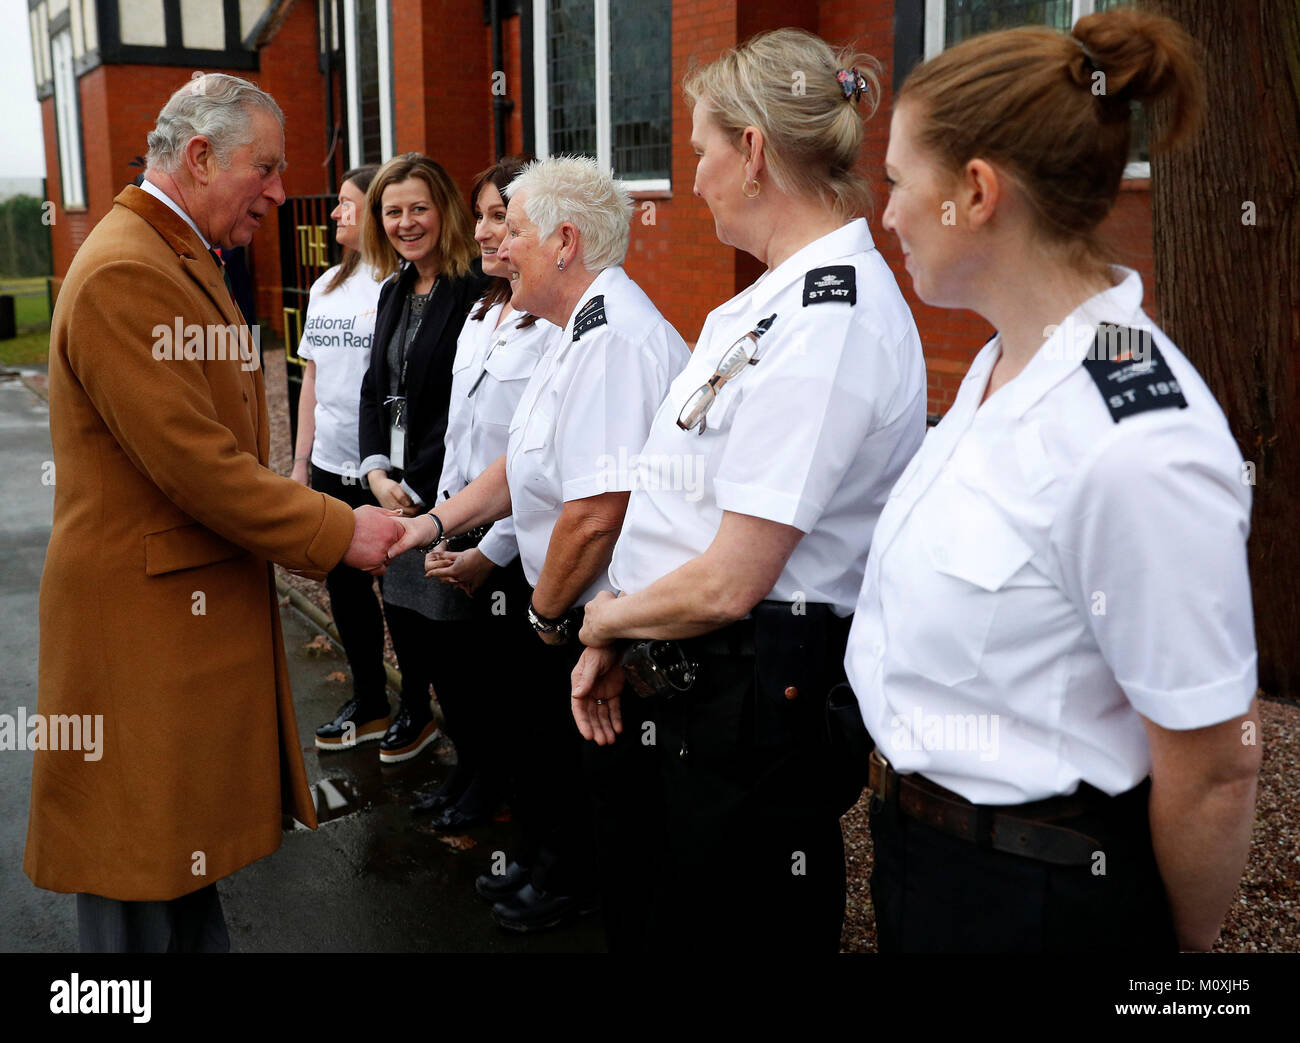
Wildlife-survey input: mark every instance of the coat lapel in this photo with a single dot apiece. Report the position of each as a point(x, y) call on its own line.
point(201, 266)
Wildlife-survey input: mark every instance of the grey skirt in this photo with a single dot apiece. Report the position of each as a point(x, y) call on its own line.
point(405, 586)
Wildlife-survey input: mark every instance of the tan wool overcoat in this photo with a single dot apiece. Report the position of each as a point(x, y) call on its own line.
point(158, 608)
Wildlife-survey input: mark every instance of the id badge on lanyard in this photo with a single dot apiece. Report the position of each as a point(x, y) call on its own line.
point(397, 435)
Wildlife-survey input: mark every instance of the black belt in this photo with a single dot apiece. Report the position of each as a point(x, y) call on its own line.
point(1017, 829)
point(735, 639)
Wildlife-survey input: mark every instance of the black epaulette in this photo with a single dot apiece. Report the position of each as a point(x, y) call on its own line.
point(1130, 372)
point(838, 282)
point(591, 316)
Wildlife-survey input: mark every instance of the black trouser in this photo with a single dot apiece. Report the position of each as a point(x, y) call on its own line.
point(548, 793)
point(356, 610)
point(937, 893)
point(479, 697)
point(191, 923)
point(754, 857)
point(430, 653)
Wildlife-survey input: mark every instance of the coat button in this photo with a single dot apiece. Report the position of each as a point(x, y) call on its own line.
point(792, 692)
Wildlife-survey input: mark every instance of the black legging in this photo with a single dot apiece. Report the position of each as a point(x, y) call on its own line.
point(356, 611)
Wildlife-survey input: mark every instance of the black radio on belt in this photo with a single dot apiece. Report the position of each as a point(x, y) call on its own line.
point(658, 669)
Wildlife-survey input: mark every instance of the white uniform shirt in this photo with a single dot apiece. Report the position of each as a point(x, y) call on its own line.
point(491, 369)
point(588, 405)
point(813, 435)
point(336, 336)
point(1043, 573)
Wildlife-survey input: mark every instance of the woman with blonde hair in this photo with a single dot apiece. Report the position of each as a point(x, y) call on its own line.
point(418, 235)
point(803, 400)
point(1053, 648)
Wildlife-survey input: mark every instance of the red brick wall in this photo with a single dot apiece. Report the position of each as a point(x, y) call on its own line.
point(678, 260)
point(442, 84)
point(443, 106)
point(290, 73)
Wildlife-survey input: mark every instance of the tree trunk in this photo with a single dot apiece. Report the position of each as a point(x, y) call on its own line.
point(1226, 219)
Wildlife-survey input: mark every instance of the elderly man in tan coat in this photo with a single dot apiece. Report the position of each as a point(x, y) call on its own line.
point(158, 611)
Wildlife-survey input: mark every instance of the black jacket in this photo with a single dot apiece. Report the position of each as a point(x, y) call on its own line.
point(428, 374)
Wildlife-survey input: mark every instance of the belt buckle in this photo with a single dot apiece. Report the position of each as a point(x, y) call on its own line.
point(878, 772)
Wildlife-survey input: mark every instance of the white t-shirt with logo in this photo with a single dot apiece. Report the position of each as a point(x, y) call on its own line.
point(337, 335)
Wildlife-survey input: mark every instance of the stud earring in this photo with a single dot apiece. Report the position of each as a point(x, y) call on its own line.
point(560, 264)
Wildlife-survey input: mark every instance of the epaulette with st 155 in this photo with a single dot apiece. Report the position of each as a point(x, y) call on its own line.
point(1131, 373)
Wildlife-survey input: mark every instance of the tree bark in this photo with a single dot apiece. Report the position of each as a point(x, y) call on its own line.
point(1226, 220)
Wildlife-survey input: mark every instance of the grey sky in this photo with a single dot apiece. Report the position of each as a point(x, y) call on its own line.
point(22, 149)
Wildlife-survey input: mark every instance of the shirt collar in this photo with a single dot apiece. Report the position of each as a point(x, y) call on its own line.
point(1064, 351)
point(148, 186)
point(851, 238)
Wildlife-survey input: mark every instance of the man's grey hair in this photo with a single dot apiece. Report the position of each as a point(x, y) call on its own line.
point(215, 105)
point(575, 189)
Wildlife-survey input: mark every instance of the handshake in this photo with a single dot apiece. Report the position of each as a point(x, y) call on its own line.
point(380, 536)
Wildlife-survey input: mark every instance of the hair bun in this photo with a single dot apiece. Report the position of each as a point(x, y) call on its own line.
point(1142, 57)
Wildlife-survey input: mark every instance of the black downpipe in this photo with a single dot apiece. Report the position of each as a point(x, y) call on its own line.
point(502, 106)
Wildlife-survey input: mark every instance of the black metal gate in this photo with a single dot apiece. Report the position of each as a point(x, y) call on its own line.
point(307, 248)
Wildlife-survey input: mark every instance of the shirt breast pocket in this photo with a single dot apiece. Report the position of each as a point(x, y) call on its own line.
point(532, 466)
point(959, 564)
point(510, 370)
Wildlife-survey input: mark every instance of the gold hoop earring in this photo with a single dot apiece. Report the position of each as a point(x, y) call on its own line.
point(757, 188)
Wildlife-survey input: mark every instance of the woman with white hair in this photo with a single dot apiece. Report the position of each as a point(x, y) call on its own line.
point(565, 480)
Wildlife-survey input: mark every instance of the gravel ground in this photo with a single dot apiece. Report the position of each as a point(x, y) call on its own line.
point(1265, 915)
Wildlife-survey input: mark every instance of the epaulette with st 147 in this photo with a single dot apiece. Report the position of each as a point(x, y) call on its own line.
point(836, 282)
point(591, 316)
point(1131, 373)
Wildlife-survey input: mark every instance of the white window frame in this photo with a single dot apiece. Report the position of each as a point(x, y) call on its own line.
point(936, 17)
point(384, 39)
point(604, 126)
point(67, 121)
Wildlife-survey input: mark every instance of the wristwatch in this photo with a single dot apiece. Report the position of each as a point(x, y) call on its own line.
point(563, 625)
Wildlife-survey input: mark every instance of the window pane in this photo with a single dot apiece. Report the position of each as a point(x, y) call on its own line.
point(372, 146)
point(966, 18)
point(571, 73)
point(640, 87)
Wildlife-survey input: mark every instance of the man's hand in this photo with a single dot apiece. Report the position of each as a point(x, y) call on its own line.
point(597, 690)
point(390, 494)
point(464, 569)
point(592, 634)
point(375, 532)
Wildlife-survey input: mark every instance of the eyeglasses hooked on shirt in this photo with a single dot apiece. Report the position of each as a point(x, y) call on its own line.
point(734, 360)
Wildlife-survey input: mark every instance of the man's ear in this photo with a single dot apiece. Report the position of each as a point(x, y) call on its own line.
point(199, 159)
point(751, 147)
point(983, 185)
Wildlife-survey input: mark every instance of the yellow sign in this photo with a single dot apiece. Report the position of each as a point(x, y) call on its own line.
point(293, 335)
point(313, 246)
